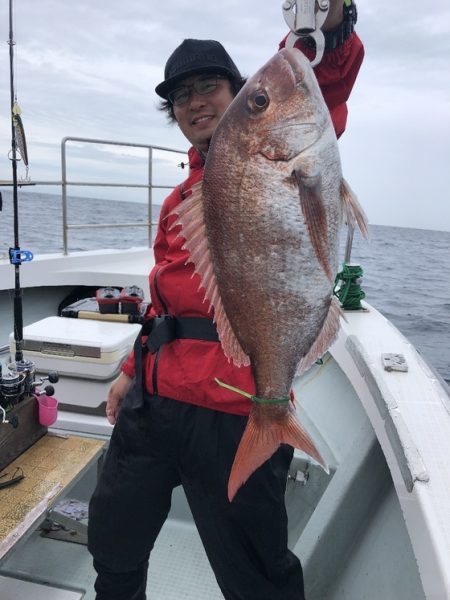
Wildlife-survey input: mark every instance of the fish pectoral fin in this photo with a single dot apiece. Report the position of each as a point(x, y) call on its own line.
point(353, 208)
point(189, 214)
point(325, 338)
point(261, 439)
point(313, 209)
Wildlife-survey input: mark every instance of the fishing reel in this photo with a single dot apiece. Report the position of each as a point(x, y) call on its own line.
point(20, 381)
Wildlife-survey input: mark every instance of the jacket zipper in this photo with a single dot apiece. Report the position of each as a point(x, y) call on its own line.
point(158, 352)
point(165, 311)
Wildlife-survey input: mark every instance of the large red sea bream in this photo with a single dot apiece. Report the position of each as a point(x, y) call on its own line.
point(262, 230)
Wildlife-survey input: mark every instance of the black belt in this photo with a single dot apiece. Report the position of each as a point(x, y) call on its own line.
point(165, 329)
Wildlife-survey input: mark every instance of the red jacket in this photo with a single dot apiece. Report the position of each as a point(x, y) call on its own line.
point(185, 369)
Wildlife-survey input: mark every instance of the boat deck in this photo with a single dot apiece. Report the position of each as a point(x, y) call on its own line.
point(346, 527)
point(377, 527)
point(67, 567)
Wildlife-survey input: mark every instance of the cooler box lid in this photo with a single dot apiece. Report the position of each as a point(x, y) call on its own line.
point(78, 347)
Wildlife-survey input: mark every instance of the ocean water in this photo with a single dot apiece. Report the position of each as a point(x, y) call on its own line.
point(406, 271)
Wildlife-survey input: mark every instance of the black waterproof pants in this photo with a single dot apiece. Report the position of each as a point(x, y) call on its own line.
point(166, 443)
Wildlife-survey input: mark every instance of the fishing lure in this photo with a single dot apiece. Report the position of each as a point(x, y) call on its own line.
point(19, 132)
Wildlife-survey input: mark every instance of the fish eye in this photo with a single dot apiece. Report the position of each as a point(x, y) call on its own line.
point(259, 100)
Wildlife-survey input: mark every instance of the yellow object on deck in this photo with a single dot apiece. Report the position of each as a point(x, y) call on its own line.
point(50, 466)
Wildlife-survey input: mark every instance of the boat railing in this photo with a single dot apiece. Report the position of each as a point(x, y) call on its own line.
point(149, 185)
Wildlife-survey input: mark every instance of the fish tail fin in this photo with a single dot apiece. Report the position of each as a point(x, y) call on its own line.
point(261, 439)
point(353, 208)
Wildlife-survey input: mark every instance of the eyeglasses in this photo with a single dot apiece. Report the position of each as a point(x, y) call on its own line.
point(203, 85)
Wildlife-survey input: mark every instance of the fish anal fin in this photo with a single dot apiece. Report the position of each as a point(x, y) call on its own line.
point(325, 338)
point(261, 439)
point(189, 215)
point(313, 209)
point(353, 209)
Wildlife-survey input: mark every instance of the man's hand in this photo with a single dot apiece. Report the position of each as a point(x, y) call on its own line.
point(116, 394)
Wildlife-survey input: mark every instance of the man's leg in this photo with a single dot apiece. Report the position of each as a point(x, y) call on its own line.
point(245, 540)
point(117, 585)
point(132, 499)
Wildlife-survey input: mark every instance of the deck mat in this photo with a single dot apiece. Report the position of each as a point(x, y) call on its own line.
point(49, 466)
point(179, 569)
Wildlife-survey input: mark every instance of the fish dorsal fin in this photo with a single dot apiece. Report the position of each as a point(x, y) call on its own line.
point(353, 208)
point(325, 338)
point(189, 215)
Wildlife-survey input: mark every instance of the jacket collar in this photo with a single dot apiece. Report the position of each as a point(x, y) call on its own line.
point(196, 160)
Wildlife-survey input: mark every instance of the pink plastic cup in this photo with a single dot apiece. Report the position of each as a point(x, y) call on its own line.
point(48, 410)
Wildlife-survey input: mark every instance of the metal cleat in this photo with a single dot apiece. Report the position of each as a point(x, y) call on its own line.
point(394, 362)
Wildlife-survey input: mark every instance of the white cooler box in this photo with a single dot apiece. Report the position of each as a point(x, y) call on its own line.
point(81, 348)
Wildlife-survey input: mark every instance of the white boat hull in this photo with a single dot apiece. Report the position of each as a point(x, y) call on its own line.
point(377, 527)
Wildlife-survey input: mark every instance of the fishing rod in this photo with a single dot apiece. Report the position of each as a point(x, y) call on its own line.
point(19, 380)
point(15, 255)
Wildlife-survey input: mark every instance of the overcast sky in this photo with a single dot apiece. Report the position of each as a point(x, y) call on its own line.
point(88, 68)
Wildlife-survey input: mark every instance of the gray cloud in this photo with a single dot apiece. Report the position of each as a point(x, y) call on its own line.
point(89, 69)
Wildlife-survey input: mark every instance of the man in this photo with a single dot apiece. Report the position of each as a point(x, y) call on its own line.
point(174, 425)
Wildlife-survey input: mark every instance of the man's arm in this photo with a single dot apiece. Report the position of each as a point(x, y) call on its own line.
point(339, 67)
point(335, 15)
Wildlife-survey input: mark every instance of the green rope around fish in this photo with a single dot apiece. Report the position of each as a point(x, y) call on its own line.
point(347, 287)
point(250, 396)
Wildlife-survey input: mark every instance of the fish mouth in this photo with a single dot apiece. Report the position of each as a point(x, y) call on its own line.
point(311, 131)
point(297, 62)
